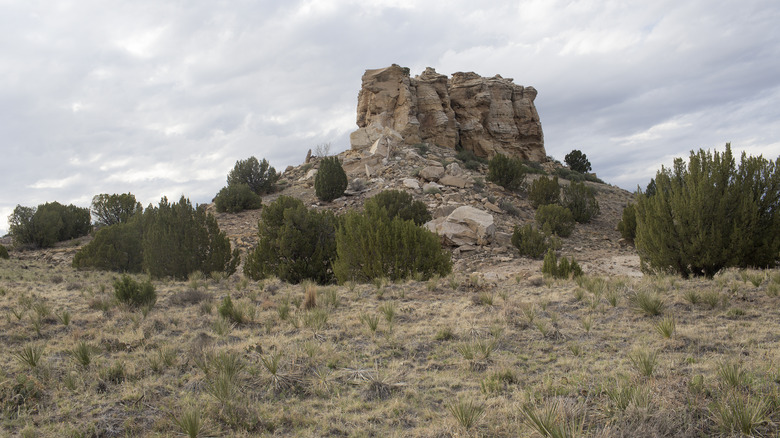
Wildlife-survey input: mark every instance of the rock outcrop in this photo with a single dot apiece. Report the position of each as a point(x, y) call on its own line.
point(484, 115)
point(465, 225)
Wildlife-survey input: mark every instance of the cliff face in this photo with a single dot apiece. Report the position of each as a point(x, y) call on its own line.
point(484, 115)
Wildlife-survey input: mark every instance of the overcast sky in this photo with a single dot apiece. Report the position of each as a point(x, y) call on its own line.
point(160, 97)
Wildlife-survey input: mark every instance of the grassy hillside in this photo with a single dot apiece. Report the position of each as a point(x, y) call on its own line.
point(458, 356)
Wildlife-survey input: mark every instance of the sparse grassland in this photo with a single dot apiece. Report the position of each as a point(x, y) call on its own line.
point(450, 358)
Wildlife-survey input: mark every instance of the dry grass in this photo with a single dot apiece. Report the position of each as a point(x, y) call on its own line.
point(412, 359)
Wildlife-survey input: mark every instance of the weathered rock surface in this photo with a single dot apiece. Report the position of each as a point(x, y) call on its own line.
point(484, 115)
point(466, 225)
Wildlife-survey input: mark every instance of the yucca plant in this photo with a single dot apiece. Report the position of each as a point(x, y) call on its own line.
point(82, 353)
point(741, 414)
point(371, 321)
point(732, 374)
point(466, 412)
point(191, 423)
point(644, 361)
point(30, 355)
point(388, 310)
point(550, 421)
point(665, 327)
point(649, 303)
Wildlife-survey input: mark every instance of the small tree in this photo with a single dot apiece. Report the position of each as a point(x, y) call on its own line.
point(555, 219)
point(331, 180)
point(114, 209)
point(370, 246)
point(711, 214)
point(532, 242)
point(237, 198)
point(4, 252)
point(627, 225)
point(581, 201)
point(49, 223)
point(506, 172)
point(564, 268)
point(294, 244)
point(114, 248)
point(402, 205)
point(577, 161)
point(544, 191)
point(134, 293)
point(258, 175)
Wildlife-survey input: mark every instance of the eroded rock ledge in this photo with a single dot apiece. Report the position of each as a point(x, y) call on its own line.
point(484, 115)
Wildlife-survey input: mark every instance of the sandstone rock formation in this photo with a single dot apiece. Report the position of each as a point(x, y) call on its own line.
point(465, 225)
point(484, 115)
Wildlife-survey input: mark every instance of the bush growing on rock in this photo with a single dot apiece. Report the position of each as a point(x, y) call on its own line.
point(555, 219)
point(258, 175)
point(711, 214)
point(544, 191)
point(331, 180)
point(581, 201)
point(402, 205)
point(369, 246)
point(294, 244)
point(506, 172)
point(237, 198)
point(49, 223)
point(532, 242)
point(627, 225)
point(114, 209)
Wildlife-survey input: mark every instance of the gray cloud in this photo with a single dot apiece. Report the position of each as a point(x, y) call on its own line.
point(161, 98)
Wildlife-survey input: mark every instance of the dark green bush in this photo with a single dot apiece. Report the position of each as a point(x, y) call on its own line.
point(136, 294)
point(49, 223)
point(532, 242)
point(581, 201)
point(237, 198)
point(114, 248)
point(401, 204)
point(294, 243)
point(470, 161)
point(577, 161)
point(544, 191)
point(331, 180)
point(258, 175)
point(555, 219)
point(506, 172)
point(370, 246)
point(228, 311)
point(571, 175)
point(114, 209)
point(179, 239)
point(627, 225)
point(710, 214)
point(564, 269)
point(4, 253)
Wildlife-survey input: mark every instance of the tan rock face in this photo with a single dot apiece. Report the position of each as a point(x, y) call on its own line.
point(484, 115)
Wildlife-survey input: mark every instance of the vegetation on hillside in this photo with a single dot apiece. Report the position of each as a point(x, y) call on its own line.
point(48, 223)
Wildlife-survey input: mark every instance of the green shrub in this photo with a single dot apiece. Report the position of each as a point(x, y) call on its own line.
point(136, 294)
point(4, 253)
point(49, 223)
point(294, 243)
point(532, 242)
point(544, 191)
point(179, 239)
point(571, 175)
point(506, 172)
point(710, 215)
point(258, 175)
point(114, 209)
point(563, 269)
point(577, 161)
point(581, 201)
point(114, 248)
point(370, 246)
point(627, 225)
point(402, 205)
point(237, 198)
point(555, 219)
point(331, 180)
point(470, 161)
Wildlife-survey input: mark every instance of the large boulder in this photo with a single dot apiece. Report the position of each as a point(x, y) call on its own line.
point(466, 225)
point(484, 115)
